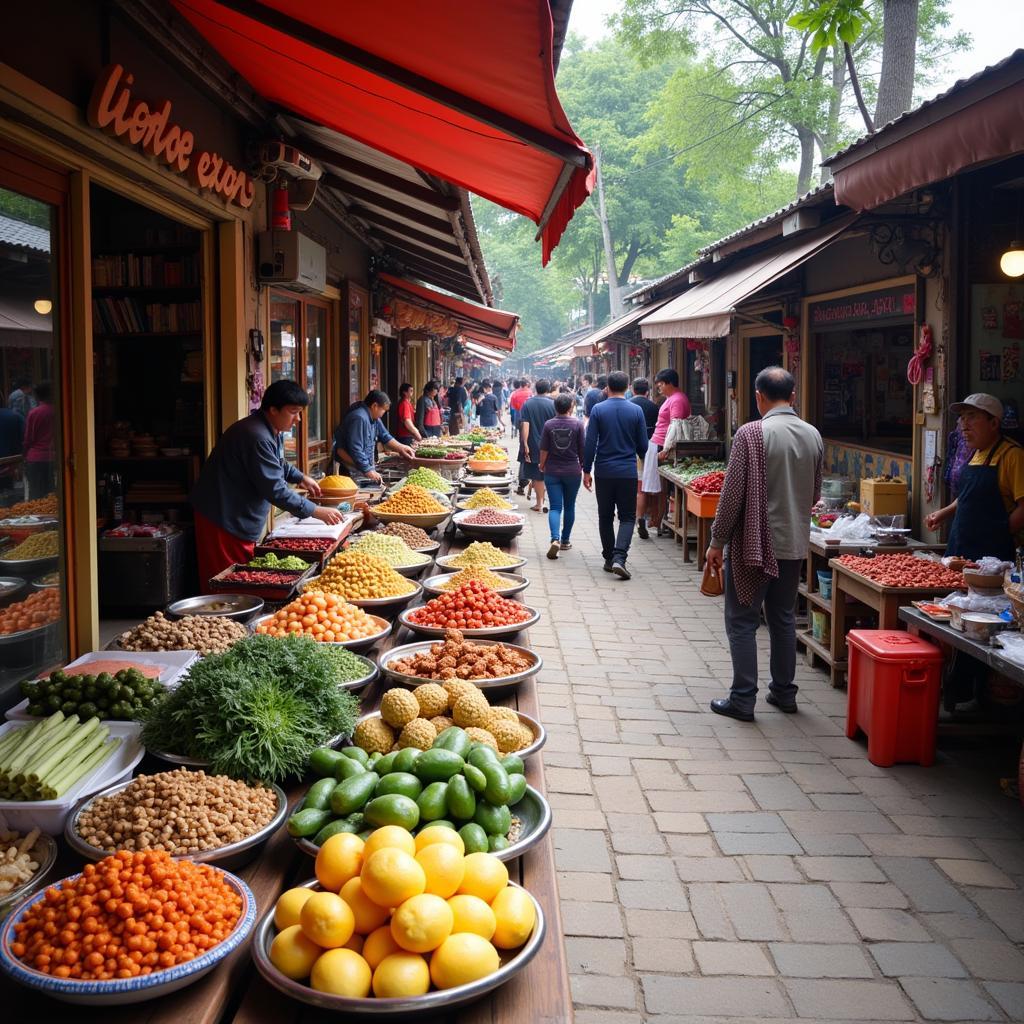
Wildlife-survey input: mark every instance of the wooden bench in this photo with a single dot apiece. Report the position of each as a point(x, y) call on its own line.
point(235, 993)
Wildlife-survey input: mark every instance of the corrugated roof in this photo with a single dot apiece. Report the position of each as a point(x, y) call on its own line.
point(22, 235)
point(958, 86)
point(809, 198)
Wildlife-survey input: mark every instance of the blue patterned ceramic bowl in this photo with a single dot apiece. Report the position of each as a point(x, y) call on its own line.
point(121, 991)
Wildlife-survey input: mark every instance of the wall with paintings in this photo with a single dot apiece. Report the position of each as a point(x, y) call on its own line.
point(859, 463)
point(997, 338)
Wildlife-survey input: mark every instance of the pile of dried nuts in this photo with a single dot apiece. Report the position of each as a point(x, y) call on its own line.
point(180, 811)
point(412, 535)
point(458, 658)
point(207, 634)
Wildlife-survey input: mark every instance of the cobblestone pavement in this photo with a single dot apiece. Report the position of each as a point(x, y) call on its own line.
point(712, 870)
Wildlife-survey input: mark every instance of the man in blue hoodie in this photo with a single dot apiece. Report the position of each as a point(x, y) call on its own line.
point(616, 438)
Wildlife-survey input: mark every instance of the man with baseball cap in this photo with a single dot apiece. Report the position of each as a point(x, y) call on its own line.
point(988, 513)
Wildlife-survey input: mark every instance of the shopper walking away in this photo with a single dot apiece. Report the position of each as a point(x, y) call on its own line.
point(536, 411)
point(642, 398)
point(616, 437)
point(490, 408)
point(988, 512)
point(428, 412)
point(772, 481)
point(561, 461)
point(595, 394)
point(39, 449)
point(406, 431)
point(675, 406)
point(516, 401)
point(457, 399)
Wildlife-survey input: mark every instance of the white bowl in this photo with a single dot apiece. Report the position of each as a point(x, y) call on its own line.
point(122, 991)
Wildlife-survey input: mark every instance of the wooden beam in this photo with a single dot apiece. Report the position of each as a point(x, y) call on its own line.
point(375, 174)
point(453, 282)
point(391, 72)
point(368, 195)
point(398, 228)
point(452, 263)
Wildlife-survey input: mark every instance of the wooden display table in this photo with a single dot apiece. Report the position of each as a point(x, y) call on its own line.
point(235, 993)
point(675, 491)
point(884, 602)
point(818, 555)
point(687, 503)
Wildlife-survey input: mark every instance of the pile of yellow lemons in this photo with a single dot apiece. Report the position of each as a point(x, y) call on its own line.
point(396, 915)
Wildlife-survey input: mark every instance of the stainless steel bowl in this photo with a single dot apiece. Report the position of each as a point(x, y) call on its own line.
point(28, 568)
point(354, 685)
point(514, 562)
point(352, 645)
point(516, 585)
point(230, 857)
point(45, 853)
point(484, 633)
point(412, 572)
point(240, 607)
point(425, 520)
point(429, 549)
point(490, 687)
point(462, 506)
point(443, 1001)
point(11, 588)
point(386, 606)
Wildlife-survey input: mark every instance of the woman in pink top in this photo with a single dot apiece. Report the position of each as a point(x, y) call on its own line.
point(39, 453)
point(675, 406)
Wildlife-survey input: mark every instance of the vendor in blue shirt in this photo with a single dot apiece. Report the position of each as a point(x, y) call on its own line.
point(362, 429)
point(244, 475)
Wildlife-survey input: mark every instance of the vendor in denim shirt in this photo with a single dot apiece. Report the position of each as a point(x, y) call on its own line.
point(362, 429)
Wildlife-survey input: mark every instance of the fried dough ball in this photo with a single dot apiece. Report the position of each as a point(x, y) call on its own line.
point(432, 699)
point(373, 736)
point(398, 707)
point(482, 736)
point(418, 733)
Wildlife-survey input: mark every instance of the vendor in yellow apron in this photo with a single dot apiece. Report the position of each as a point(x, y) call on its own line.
point(994, 479)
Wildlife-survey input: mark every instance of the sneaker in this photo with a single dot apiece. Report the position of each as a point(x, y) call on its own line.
point(620, 570)
point(565, 546)
point(641, 529)
point(607, 567)
point(553, 550)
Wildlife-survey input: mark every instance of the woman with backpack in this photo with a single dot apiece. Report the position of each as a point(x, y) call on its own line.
point(561, 462)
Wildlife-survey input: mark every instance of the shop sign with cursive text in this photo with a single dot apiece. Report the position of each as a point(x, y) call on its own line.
point(865, 307)
point(135, 122)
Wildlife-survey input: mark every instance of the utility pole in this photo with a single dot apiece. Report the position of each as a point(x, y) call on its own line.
point(614, 291)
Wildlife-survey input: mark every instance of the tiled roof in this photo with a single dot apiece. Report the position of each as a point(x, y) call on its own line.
point(22, 235)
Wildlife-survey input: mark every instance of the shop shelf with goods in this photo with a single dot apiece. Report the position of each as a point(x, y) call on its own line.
point(816, 595)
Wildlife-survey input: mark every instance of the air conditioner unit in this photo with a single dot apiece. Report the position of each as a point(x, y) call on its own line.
point(290, 258)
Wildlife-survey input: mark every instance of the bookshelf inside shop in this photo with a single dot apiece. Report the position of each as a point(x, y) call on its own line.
point(147, 306)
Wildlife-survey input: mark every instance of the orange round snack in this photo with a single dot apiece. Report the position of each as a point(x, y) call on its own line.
point(127, 915)
point(324, 617)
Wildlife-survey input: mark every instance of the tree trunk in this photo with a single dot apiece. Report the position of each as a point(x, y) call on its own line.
point(835, 108)
point(614, 291)
point(803, 181)
point(899, 46)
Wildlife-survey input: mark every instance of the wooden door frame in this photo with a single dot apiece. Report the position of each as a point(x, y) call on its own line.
point(744, 386)
point(351, 289)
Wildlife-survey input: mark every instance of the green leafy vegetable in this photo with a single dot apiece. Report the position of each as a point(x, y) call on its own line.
point(256, 711)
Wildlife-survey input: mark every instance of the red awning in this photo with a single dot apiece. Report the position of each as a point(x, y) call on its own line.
point(481, 324)
point(462, 91)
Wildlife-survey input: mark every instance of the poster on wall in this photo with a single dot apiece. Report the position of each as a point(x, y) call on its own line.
point(997, 328)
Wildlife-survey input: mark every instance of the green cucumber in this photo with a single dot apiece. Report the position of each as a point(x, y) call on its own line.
point(318, 796)
point(357, 754)
point(474, 838)
point(497, 843)
point(386, 764)
point(404, 783)
point(323, 760)
point(307, 822)
point(374, 758)
point(432, 802)
point(440, 823)
point(352, 794)
point(516, 789)
point(476, 778)
point(437, 765)
point(454, 739)
point(347, 767)
point(498, 785)
point(393, 809)
point(461, 801)
point(513, 764)
point(482, 754)
point(353, 823)
point(495, 821)
point(405, 760)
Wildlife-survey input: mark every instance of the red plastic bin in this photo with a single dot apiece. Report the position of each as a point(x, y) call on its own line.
point(893, 695)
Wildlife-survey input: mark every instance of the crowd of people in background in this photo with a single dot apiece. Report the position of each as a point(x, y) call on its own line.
point(27, 440)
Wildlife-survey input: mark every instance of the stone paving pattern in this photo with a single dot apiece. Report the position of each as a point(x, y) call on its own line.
point(718, 871)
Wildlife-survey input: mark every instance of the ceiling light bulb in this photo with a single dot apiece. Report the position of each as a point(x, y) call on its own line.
point(1011, 263)
point(43, 306)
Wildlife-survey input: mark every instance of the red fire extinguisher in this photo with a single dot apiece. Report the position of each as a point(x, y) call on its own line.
point(281, 214)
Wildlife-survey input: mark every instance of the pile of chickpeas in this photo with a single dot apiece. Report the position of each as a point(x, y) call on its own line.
point(207, 634)
point(180, 811)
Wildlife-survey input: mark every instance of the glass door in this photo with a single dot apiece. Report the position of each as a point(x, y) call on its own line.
point(285, 358)
point(318, 449)
point(358, 334)
point(33, 555)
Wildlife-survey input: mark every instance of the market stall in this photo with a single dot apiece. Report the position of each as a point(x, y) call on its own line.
point(373, 565)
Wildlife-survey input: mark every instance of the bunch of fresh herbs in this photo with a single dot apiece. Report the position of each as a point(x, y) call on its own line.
point(256, 711)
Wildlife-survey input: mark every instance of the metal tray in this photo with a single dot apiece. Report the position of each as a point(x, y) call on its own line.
point(517, 584)
point(490, 687)
point(485, 633)
point(514, 562)
point(358, 646)
point(243, 606)
point(443, 1001)
point(229, 857)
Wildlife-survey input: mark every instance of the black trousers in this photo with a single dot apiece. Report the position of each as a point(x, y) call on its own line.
point(616, 495)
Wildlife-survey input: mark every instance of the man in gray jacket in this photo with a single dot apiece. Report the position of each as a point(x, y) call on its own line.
point(764, 516)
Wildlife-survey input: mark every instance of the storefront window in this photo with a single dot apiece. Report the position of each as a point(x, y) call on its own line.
point(317, 447)
point(284, 356)
point(357, 331)
point(33, 632)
